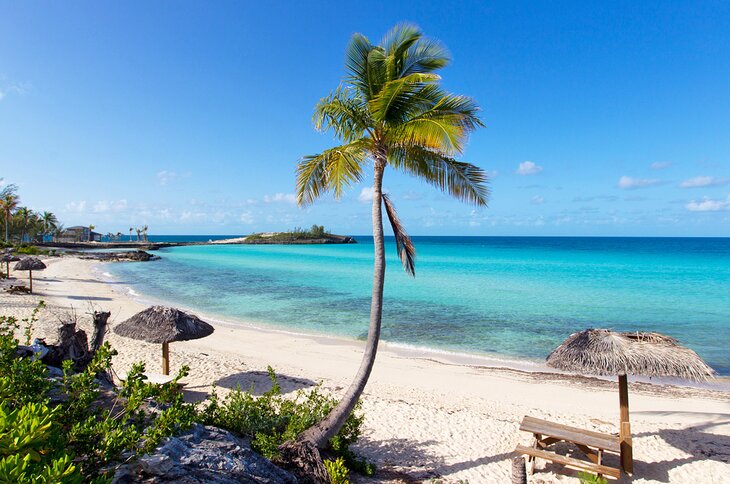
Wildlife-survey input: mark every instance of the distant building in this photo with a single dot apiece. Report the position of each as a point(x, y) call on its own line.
point(79, 234)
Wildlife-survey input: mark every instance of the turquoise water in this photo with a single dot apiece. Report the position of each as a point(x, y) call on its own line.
point(516, 297)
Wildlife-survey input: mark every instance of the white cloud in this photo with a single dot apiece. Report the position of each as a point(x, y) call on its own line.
point(537, 200)
point(247, 217)
point(703, 181)
point(366, 194)
point(77, 207)
point(281, 197)
point(103, 206)
point(166, 177)
point(628, 183)
point(660, 165)
point(528, 168)
point(708, 205)
point(19, 89)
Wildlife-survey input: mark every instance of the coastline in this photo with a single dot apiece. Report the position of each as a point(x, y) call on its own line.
point(426, 414)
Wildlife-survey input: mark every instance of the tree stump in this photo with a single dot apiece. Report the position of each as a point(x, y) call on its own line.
point(302, 459)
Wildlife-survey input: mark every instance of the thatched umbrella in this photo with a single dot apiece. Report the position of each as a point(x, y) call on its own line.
point(8, 258)
point(608, 353)
point(160, 324)
point(30, 264)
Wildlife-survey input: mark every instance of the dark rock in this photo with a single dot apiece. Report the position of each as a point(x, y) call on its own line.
point(204, 454)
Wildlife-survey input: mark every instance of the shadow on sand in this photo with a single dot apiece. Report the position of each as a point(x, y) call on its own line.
point(259, 383)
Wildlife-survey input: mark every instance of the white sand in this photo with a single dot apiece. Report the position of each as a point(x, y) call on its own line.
point(425, 417)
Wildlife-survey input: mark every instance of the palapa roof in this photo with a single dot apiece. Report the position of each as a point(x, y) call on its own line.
point(605, 352)
point(160, 324)
point(30, 264)
point(8, 257)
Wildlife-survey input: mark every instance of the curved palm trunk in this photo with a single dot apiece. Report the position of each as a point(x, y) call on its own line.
point(321, 433)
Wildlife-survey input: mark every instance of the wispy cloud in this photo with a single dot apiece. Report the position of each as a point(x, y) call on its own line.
point(703, 181)
point(708, 205)
point(537, 200)
point(104, 206)
point(528, 168)
point(605, 198)
point(660, 165)
point(629, 183)
point(12, 88)
point(280, 198)
point(166, 177)
point(76, 207)
point(366, 194)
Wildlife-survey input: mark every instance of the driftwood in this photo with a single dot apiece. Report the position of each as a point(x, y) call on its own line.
point(302, 459)
point(73, 344)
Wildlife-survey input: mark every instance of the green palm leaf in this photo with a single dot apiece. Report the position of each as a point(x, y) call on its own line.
point(332, 170)
point(461, 180)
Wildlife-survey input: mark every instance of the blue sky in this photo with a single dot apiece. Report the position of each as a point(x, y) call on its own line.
point(603, 118)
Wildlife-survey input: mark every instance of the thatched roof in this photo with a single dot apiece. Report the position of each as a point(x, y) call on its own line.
point(160, 324)
point(30, 264)
point(8, 257)
point(605, 352)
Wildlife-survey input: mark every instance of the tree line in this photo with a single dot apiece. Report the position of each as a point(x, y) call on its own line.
point(22, 224)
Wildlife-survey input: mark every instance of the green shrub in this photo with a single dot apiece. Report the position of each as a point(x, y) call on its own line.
point(588, 478)
point(271, 419)
point(79, 435)
point(337, 471)
point(29, 250)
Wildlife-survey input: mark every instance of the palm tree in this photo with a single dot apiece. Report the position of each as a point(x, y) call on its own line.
point(389, 110)
point(8, 203)
point(130, 233)
point(139, 231)
point(49, 222)
point(91, 232)
point(144, 232)
point(23, 214)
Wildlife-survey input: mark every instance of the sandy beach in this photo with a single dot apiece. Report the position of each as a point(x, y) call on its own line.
point(427, 417)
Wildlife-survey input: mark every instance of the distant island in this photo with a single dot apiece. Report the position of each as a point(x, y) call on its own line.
point(315, 235)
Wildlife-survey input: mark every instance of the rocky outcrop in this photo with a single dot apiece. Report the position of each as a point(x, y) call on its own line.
point(131, 255)
point(204, 455)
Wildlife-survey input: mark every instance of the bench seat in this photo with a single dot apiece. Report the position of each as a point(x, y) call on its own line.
point(578, 464)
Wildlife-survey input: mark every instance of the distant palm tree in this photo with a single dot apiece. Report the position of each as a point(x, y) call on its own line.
point(91, 232)
point(24, 214)
point(130, 233)
point(139, 231)
point(49, 222)
point(57, 232)
point(144, 232)
point(390, 110)
point(8, 203)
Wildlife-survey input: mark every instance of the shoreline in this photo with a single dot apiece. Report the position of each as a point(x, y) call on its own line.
point(424, 417)
point(405, 350)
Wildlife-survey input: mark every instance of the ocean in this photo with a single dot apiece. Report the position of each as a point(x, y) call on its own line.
point(514, 298)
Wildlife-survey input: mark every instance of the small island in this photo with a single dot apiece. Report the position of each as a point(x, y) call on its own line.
point(315, 235)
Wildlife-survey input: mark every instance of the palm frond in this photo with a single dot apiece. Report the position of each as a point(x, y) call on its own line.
point(463, 181)
point(425, 56)
point(356, 63)
point(343, 112)
point(394, 96)
point(332, 170)
point(403, 242)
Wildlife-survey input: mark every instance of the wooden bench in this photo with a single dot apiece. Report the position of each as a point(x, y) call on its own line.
point(581, 465)
point(18, 289)
point(592, 444)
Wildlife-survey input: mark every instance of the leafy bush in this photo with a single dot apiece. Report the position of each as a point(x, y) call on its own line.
point(29, 250)
point(337, 471)
point(271, 419)
point(588, 478)
point(69, 431)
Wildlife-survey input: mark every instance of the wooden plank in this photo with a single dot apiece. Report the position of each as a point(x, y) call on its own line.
point(569, 461)
point(570, 434)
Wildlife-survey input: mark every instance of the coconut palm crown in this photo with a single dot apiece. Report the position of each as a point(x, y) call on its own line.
point(389, 111)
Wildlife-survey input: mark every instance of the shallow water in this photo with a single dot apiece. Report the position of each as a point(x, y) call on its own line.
point(516, 297)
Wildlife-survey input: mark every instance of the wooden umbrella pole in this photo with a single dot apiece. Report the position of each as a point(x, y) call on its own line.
point(30, 273)
point(165, 358)
point(627, 457)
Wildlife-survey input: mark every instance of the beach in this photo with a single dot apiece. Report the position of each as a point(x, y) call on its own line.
point(427, 416)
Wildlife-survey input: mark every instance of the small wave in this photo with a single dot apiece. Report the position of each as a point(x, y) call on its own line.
point(132, 292)
point(106, 274)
